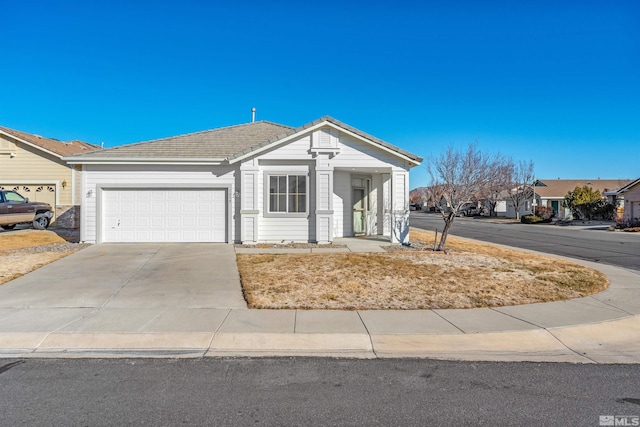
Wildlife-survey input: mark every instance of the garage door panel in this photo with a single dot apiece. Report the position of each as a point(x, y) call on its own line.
point(150, 215)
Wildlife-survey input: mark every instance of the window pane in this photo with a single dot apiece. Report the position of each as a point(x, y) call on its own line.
point(282, 203)
point(297, 203)
point(273, 184)
point(302, 184)
point(282, 184)
point(293, 184)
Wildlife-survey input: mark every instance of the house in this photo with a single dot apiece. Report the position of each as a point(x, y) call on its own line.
point(255, 182)
point(631, 196)
point(551, 193)
point(34, 166)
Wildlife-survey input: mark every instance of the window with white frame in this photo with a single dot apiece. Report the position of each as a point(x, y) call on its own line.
point(287, 194)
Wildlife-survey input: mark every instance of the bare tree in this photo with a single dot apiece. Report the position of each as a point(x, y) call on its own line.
point(521, 177)
point(497, 188)
point(457, 179)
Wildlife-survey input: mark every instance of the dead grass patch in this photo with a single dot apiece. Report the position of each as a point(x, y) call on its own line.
point(28, 239)
point(471, 275)
point(16, 259)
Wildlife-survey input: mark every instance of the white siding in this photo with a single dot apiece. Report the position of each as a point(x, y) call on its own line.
point(324, 202)
point(146, 175)
point(294, 150)
point(248, 191)
point(358, 154)
point(278, 228)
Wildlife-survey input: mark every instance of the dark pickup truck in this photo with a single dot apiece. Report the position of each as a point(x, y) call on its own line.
point(15, 209)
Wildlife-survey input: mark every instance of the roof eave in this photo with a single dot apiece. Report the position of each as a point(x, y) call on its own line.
point(31, 144)
point(310, 127)
point(144, 161)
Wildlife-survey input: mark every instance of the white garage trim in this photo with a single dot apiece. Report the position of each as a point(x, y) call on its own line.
point(102, 188)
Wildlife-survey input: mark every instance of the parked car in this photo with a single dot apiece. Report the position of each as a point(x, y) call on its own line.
point(15, 209)
point(469, 210)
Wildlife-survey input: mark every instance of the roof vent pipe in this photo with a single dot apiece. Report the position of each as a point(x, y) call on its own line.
point(253, 114)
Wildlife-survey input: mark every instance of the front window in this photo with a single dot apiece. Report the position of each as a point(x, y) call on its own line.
point(12, 196)
point(287, 193)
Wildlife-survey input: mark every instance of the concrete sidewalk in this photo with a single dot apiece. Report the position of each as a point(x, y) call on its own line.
point(604, 328)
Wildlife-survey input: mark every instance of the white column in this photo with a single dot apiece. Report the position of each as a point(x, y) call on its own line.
point(249, 202)
point(324, 199)
point(400, 206)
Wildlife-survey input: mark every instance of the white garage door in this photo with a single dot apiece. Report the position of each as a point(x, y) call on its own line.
point(155, 215)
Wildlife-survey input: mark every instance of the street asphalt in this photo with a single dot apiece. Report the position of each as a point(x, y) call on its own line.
point(185, 300)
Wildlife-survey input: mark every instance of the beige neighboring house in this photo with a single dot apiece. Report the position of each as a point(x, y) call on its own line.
point(33, 166)
point(551, 193)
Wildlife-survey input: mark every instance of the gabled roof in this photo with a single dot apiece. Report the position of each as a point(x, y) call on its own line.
point(560, 187)
point(226, 144)
point(629, 186)
point(50, 145)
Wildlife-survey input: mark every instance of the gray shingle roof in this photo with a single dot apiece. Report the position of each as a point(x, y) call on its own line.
point(209, 144)
point(227, 143)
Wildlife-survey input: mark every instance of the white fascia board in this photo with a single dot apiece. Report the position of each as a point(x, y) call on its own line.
point(382, 147)
point(37, 147)
point(318, 126)
point(138, 161)
point(278, 142)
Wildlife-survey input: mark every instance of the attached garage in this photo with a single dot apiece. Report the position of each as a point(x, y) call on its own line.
point(164, 215)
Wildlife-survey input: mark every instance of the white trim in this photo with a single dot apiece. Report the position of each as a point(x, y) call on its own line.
point(276, 143)
point(286, 214)
point(313, 128)
point(73, 184)
point(139, 161)
point(101, 187)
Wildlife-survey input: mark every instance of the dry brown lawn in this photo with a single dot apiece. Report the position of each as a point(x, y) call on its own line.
point(15, 258)
point(471, 274)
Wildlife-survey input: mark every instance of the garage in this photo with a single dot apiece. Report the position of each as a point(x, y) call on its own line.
point(164, 215)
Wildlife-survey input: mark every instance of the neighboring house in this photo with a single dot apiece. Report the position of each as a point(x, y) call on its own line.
point(551, 193)
point(33, 166)
point(631, 195)
point(256, 182)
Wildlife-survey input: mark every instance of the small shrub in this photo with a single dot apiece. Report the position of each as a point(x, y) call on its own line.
point(627, 224)
point(531, 219)
point(544, 212)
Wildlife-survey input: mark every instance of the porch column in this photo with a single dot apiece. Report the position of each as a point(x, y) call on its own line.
point(324, 200)
point(249, 202)
point(400, 206)
point(386, 205)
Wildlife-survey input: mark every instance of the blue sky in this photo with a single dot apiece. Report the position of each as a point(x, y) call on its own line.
point(549, 81)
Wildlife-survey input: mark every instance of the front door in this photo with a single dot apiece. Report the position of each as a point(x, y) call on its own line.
point(359, 211)
point(554, 205)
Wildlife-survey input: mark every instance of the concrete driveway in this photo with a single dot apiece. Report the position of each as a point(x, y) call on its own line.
point(124, 288)
point(138, 276)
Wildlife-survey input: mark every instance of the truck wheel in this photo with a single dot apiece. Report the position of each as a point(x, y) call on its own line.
point(8, 227)
point(40, 222)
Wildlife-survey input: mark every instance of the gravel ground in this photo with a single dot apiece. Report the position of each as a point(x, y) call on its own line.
point(54, 247)
point(289, 246)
